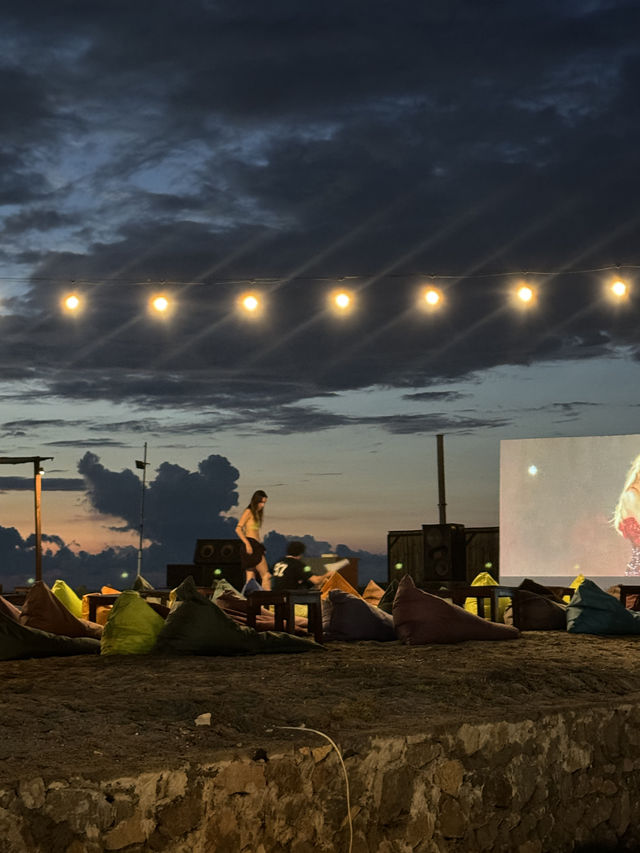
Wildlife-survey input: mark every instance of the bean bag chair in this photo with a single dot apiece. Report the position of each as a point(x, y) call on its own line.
point(386, 602)
point(471, 604)
point(372, 593)
point(45, 611)
point(539, 608)
point(67, 596)
point(132, 627)
point(18, 642)
point(223, 587)
point(632, 601)
point(197, 626)
point(336, 581)
point(593, 611)
point(421, 618)
point(349, 617)
point(110, 590)
point(140, 584)
point(9, 609)
point(575, 583)
point(251, 585)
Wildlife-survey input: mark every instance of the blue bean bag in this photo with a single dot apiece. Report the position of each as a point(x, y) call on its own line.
point(593, 611)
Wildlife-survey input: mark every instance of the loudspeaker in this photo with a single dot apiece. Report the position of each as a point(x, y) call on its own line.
point(445, 557)
point(205, 576)
point(405, 554)
point(218, 551)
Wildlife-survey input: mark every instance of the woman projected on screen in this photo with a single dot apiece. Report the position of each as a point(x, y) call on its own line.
point(248, 530)
point(626, 516)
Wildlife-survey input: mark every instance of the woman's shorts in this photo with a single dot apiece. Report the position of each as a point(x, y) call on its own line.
point(250, 561)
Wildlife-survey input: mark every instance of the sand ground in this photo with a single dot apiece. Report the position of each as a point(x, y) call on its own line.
point(115, 715)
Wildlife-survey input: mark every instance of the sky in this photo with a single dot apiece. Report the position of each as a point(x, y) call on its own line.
point(206, 149)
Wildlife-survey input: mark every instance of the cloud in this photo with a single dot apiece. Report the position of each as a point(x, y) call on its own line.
point(287, 148)
point(181, 507)
point(49, 484)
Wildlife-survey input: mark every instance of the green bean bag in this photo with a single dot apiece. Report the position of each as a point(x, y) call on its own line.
point(132, 627)
point(197, 626)
point(67, 596)
point(593, 611)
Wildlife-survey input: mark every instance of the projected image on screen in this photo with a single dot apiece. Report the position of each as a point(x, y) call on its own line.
point(570, 506)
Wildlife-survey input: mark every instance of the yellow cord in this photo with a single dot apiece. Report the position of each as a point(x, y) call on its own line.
point(344, 770)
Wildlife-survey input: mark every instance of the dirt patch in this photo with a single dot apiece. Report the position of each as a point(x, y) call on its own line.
point(119, 715)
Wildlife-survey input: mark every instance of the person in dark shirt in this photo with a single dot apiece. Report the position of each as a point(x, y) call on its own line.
point(292, 573)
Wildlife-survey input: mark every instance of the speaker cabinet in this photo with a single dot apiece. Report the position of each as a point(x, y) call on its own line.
point(405, 555)
point(220, 551)
point(205, 576)
point(445, 556)
point(213, 560)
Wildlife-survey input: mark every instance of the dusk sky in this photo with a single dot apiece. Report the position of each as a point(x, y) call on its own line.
point(206, 149)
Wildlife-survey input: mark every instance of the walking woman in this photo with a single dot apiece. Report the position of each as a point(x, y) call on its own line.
point(249, 530)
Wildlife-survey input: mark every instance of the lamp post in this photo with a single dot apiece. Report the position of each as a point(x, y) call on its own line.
point(142, 464)
point(37, 491)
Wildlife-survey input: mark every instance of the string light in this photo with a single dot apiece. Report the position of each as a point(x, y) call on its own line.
point(523, 294)
point(619, 289)
point(250, 303)
point(71, 302)
point(432, 297)
point(341, 300)
point(160, 303)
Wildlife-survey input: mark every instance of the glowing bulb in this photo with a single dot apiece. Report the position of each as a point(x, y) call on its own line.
point(72, 302)
point(124, 575)
point(619, 289)
point(160, 303)
point(432, 297)
point(250, 303)
point(532, 470)
point(342, 300)
point(525, 293)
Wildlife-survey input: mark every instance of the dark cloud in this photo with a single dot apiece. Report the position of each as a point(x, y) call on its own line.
point(49, 484)
point(203, 147)
point(434, 396)
point(180, 507)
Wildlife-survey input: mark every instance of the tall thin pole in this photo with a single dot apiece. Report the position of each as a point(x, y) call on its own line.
point(442, 503)
point(144, 483)
point(37, 491)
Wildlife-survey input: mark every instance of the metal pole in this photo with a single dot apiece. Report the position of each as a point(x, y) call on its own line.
point(144, 481)
point(37, 491)
point(442, 504)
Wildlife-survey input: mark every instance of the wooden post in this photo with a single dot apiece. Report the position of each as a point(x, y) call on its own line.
point(37, 490)
point(442, 504)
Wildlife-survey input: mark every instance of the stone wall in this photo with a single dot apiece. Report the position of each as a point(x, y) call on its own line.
point(546, 783)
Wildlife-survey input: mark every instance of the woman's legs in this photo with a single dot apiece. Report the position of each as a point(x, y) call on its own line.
point(265, 576)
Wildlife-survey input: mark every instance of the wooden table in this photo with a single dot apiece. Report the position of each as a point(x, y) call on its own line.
point(284, 604)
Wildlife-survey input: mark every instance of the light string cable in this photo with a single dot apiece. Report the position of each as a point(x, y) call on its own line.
point(344, 770)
